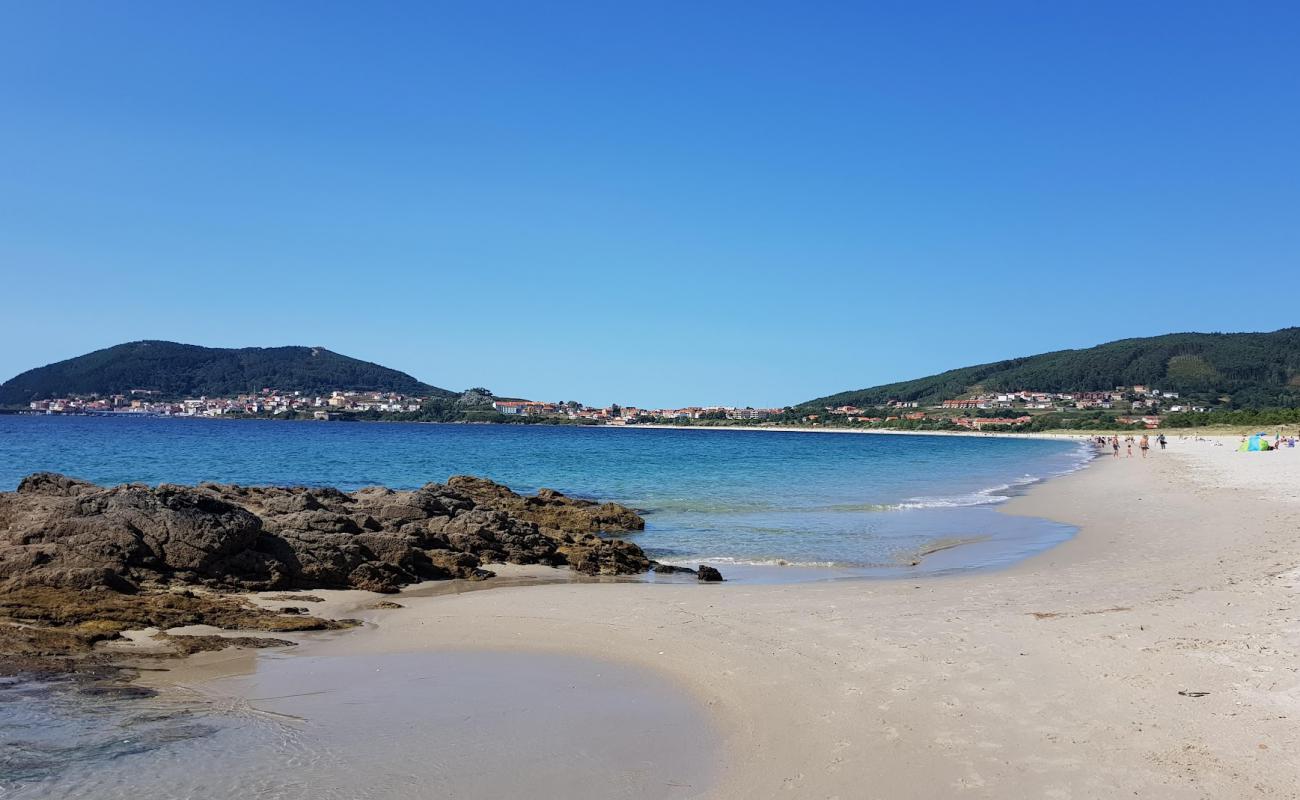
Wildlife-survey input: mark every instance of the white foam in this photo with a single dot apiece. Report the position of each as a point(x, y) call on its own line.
point(750, 562)
point(990, 496)
point(994, 495)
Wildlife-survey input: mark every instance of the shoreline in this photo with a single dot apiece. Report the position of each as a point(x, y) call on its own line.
point(1061, 433)
point(1057, 676)
point(1055, 435)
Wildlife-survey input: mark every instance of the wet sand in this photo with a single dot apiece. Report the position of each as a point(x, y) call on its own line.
point(456, 723)
point(1154, 654)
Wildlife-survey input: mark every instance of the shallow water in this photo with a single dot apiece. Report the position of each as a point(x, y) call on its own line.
point(860, 504)
point(52, 727)
point(417, 725)
point(763, 506)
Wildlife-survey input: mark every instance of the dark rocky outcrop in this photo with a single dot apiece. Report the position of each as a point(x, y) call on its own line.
point(573, 524)
point(707, 574)
point(54, 630)
point(80, 563)
point(549, 508)
point(59, 532)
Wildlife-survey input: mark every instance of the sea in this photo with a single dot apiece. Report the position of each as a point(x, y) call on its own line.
point(760, 505)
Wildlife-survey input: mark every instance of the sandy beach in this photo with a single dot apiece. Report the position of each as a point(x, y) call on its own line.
point(865, 431)
point(1156, 654)
point(649, 401)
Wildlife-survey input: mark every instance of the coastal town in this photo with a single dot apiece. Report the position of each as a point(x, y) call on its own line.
point(335, 404)
point(1143, 404)
point(269, 401)
point(623, 415)
point(1130, 405)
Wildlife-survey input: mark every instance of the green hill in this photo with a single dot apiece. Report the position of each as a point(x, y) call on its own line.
point(1239, 370)
point(186, 370)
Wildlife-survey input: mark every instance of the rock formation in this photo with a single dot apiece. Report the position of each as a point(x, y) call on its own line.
point(81, 563)
point(707, 574)
point(63, 533)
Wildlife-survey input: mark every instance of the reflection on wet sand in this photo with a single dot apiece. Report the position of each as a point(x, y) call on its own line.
point(397, 725)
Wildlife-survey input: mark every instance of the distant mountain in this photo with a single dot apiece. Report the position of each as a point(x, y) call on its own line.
point(1240, 370)
point(186, 370)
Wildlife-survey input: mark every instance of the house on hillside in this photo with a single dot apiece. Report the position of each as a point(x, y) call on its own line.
point(978, 423)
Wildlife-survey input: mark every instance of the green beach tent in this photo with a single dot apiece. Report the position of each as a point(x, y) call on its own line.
point(1254, 444)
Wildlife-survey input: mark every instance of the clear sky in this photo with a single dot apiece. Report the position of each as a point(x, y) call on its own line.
point(651, 203)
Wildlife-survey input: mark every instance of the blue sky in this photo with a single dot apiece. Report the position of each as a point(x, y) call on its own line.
point(655, 203)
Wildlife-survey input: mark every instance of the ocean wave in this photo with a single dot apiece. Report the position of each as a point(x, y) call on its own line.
point(754, 562)
point(992, 495)
point(983, 497)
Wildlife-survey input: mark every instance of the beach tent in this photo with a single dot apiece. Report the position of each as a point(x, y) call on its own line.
point(1254, 443)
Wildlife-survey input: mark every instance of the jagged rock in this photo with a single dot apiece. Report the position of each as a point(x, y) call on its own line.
point(549, 508)
point(592, 555)
point(458, 565)
point(378, 576)
point(190, 644)
point(46, 630)
point(103, 614)
point(707, 574)
point(80, 563)
point(670, 569)
point(60, 532)
point(53, 484)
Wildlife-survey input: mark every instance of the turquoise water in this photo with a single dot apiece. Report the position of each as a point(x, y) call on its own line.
point(763, 506)
point(815, 505)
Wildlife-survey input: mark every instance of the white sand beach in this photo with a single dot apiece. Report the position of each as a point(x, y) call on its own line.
point(861, 431)
point(1156, 654)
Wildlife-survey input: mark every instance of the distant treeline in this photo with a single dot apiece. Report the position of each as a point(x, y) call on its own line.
point(1082, 420)
point(1239, 370)
point(1093, 420)
point(1243, 417)
point(173, 371)
point(472, 406)
point(457, 410)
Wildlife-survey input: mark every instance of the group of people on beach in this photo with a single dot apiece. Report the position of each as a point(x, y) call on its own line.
point(1144, 443)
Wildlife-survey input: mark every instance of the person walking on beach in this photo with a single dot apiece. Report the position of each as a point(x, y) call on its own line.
point(1145, 445)
point(1161, 440)
point(1114, 445)
point(1128, 443)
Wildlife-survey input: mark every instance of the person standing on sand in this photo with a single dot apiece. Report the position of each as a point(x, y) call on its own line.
point(1161, 440)
point(1145, 445)
point(1128, 442)
point(1114, 445)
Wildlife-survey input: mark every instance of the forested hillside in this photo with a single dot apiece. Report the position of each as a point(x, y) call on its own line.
point(1233, 370)
point(186, 370)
